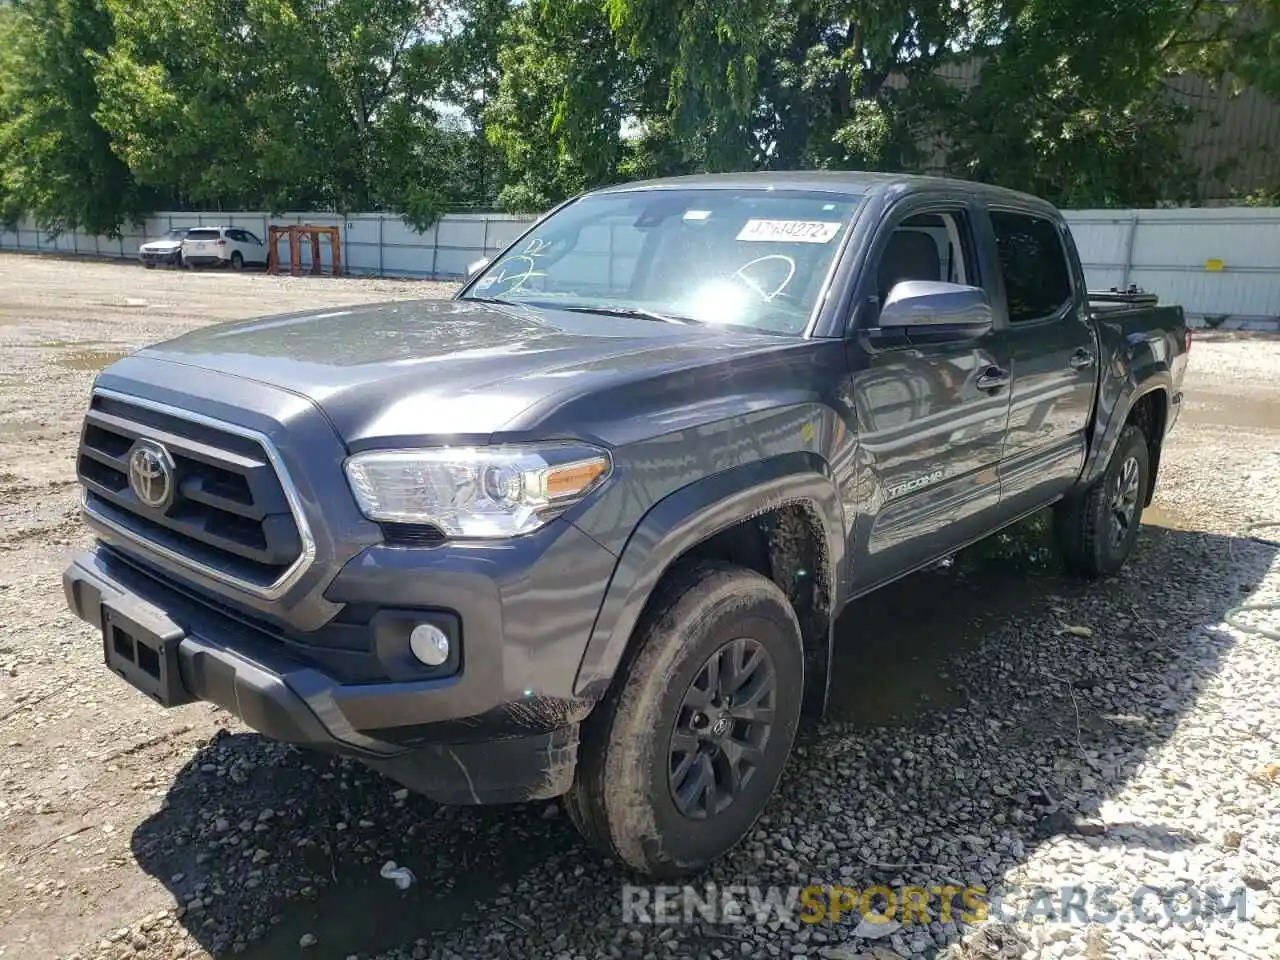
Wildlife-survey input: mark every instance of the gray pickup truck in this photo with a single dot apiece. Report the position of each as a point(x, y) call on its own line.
point(584, 529)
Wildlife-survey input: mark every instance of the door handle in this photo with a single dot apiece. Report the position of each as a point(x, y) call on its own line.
point(992, 378)
point(1081, 359)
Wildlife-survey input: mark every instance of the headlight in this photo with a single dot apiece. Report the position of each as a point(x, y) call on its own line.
point(476, 491)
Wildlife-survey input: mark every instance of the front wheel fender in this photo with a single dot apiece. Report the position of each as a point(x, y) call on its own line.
point(687, 517)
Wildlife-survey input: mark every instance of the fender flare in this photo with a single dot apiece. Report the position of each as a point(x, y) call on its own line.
point(690, 515)
point(1106, 438)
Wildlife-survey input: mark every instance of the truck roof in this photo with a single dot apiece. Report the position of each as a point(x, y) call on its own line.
point(849, 182)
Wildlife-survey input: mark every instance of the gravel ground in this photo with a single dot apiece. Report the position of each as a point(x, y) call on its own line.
point(1020, 733)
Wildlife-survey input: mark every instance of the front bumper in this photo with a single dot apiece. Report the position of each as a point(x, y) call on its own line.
point(173, 647)
point(159, 256)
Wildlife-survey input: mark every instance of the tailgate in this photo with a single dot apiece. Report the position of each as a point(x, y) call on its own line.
point(207, 245)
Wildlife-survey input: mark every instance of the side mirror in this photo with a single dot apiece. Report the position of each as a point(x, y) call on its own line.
point(934, 306)
point(475, 266)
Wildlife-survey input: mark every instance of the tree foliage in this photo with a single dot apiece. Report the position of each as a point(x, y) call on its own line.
point(111, 108)
point(1069, 105)
point(561, 101)
point(280, 103)
point(1069, 99)
point(57, 163)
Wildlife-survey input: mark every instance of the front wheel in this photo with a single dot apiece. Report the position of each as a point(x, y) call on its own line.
point(678, 763)
point(1097, 530)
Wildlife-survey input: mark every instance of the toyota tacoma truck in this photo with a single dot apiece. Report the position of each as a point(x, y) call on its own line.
point(583, 530)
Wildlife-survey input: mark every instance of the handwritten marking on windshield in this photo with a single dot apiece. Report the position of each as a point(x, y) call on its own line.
point(741, 274)
point(525, 264)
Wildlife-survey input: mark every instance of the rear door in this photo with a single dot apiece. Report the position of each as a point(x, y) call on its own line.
point(255, 251)
point(239, 241)
point(930, 422)
point(1054, 355)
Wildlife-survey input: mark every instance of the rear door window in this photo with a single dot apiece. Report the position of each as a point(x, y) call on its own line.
point(1033, 261)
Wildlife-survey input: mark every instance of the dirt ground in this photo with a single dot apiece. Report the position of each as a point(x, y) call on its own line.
point(128, 830)
point(81, 761)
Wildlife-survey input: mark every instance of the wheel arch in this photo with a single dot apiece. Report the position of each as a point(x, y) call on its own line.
point(1150, 414)
point(784, 508)
point(1147, 406)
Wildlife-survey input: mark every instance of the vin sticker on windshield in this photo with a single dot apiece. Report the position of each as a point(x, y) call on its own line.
point(790, 231)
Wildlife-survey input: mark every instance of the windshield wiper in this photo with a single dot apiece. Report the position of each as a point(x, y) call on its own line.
point(612, 311)
point(639, 312)
point(498, 300)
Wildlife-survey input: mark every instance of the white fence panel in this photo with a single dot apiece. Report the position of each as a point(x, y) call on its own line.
point(1218, 262)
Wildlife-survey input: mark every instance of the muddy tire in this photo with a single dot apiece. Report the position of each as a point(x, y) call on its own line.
point(679, 761)
point(1096, 531)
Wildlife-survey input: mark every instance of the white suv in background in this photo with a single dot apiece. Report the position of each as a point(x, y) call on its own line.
point(233, 247)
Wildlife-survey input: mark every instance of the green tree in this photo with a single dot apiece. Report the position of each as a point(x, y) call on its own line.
point(109, 108)
point(1234, 40)
point(562, 98)
point(283, 103)
point(1069, 105)
point(796, 83)
point(470, 84)
point(714, 85)
point(1069, 99)
point(56, 161)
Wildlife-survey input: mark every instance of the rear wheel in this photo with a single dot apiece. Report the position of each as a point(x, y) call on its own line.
point(1097, 530)
point(237, 260)
point(679, 762)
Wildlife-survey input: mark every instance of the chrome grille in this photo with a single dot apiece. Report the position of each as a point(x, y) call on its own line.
point(231, 516)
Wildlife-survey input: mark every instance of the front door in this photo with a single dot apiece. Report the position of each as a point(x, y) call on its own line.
point(1055, 365)
point(930, 418)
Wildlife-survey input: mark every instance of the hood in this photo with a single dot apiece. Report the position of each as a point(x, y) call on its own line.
point(414, 369)
point(161, 245)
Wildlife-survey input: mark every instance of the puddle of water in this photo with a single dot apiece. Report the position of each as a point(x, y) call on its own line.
point(1232, 410)
point(78, 344)
point(1167, 518)
point(1203, 335)
point(92, 360)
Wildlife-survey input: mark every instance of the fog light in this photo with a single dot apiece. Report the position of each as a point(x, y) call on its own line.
point(429, 644)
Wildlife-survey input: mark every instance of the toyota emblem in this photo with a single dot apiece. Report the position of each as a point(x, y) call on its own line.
point(151, 474)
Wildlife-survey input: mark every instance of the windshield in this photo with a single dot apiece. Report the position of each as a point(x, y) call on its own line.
point(747, 257)
point(208, 233)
